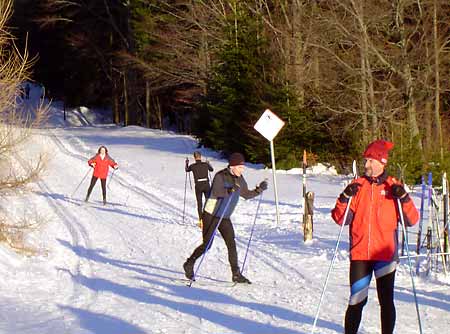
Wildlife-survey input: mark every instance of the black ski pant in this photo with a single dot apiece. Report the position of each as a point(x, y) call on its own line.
point(91, 186)
point(201, 188)
point(360, 276)
point(226, 230)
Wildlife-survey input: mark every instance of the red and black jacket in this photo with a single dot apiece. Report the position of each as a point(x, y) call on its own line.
point(373, 218)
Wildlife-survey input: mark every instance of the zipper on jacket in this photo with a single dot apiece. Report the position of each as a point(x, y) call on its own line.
point(370, 220)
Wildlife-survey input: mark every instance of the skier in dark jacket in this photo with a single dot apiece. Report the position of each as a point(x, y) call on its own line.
point(228, 185)
point(200, 170)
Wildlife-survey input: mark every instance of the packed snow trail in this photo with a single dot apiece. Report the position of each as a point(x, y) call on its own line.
point(117, 268)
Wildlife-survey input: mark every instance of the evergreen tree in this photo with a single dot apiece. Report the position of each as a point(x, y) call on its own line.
point(244, 83)
point(235, 91)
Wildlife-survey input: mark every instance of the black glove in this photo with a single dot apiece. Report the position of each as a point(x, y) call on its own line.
point(352, 189)
point(261, 187)
point(398, 191)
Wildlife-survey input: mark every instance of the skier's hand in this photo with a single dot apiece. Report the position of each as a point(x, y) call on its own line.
point(93, 165)
point(261, 187)
point(398, 191)
point(351, 190)
point(116, 167)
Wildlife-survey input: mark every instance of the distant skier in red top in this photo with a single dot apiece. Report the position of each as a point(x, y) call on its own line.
point(101, 163)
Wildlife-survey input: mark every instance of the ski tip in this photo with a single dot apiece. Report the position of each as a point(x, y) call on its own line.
point(354, 169)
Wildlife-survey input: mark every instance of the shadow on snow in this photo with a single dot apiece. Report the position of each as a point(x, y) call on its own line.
point(168, 291)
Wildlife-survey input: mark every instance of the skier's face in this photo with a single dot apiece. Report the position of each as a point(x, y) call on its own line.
point(237, 170)
point(373, 167)
point(102, 151)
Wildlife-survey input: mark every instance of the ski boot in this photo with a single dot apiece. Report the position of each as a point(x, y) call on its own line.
point(188, 267)
point(104, 202)
point(239, 278)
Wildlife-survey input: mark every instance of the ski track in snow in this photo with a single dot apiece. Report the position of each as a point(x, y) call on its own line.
point(260, 255)
point(79, 239)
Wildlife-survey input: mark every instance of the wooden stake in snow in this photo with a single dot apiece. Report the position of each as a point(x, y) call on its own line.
point(308, 204)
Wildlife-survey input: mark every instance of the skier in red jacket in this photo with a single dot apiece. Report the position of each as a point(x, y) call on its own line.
point(373, 218)
point(101, 163)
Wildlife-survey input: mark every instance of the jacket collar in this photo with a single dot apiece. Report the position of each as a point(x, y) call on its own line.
point(378, 179)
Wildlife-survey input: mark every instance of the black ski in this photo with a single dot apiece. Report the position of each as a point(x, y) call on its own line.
point(205, 283)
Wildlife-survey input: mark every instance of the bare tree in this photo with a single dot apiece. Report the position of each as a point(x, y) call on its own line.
point(16, 123)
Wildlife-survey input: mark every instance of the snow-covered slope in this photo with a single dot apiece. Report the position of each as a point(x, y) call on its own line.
point(113, 269)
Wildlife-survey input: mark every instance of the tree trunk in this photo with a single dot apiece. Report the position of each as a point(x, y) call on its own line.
point(367, 93)
point(409, 80)
point(158, 113)
point(133, 114)
point(412, 112)
point(373, 107)
point(363, 99)
point(428, 140)
point(116, 109)
point(437, 88)
point(147, 104)
point(114, 88)
point(125, 100)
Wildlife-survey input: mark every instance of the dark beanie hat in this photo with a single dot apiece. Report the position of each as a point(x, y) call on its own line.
point(379, 150)
point(236, 159)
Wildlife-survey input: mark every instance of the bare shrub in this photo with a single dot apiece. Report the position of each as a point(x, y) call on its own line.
point(17, 120)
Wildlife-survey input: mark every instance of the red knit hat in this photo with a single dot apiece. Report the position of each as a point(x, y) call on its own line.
point(378, 150)
point(236, 159)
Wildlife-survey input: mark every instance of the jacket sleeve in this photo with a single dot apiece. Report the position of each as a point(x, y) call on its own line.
point(410, 212)
point(339, 210)
point(92, 160)
point(188, 168)
point(111, 162)
point(210, 167)
point(245, 192)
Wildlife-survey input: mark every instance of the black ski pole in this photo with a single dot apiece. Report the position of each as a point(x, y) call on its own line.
point(184, 200)
point(251, 233)
point(79, 184)
point(210, 240)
